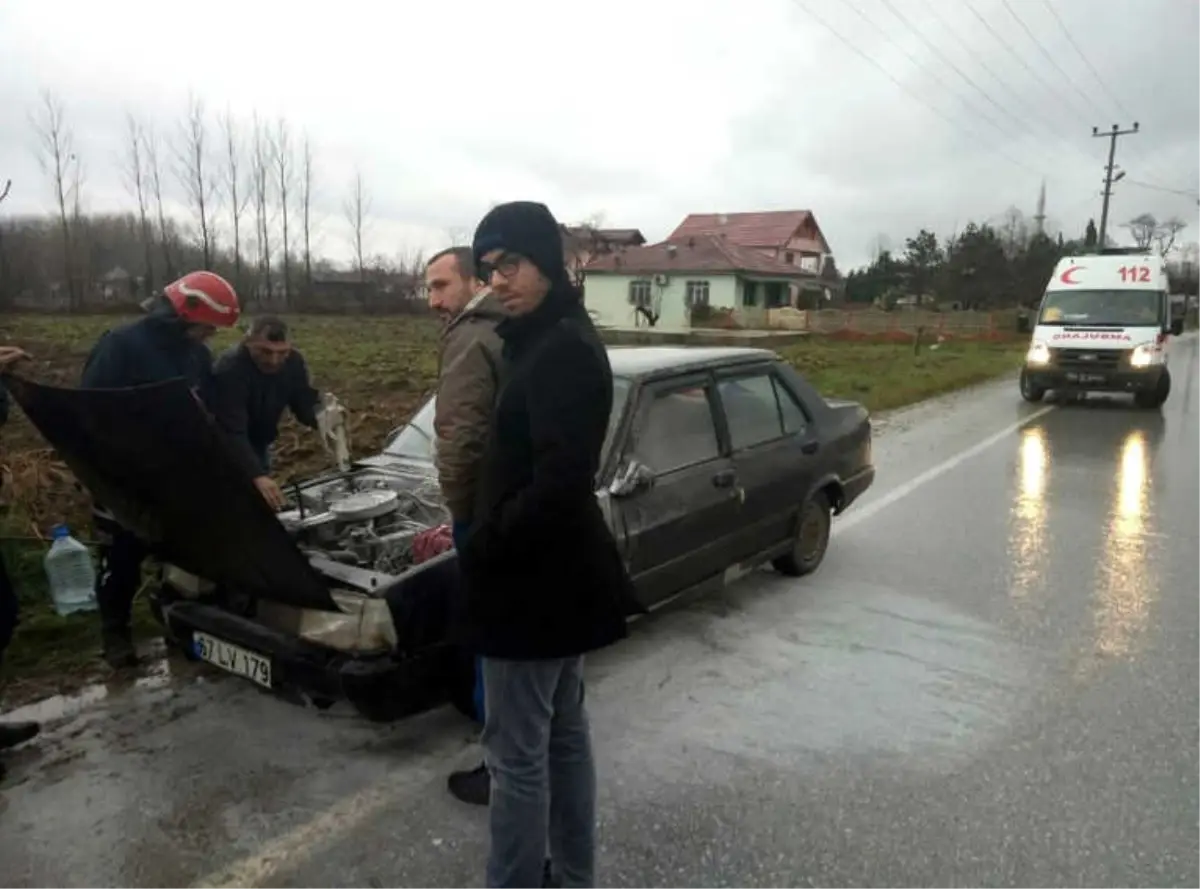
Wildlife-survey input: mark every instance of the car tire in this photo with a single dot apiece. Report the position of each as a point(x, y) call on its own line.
point(1157, 397)
point(1030, 392)
point(812, 538)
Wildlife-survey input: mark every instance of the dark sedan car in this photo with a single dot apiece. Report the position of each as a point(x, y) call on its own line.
point(718, 460)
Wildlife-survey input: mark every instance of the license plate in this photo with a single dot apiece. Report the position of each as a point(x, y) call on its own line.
point(233, 658)
point(1087, 378)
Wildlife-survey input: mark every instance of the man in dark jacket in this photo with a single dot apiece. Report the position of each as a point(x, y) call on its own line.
point(253, 383)
point(168, 343)
point(11, 733)
point(543, 579)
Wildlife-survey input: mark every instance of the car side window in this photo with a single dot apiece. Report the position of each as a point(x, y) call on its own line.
point(751, 410)
point(794, 418)
point(677, 430)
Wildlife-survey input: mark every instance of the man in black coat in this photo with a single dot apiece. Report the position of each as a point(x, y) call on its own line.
point(543, 578)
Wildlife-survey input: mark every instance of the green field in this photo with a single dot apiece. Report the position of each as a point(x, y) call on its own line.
point(381, 368)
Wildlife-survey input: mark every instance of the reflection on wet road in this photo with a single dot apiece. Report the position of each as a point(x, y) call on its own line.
point(992, 680)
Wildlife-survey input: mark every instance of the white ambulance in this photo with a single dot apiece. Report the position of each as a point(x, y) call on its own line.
point(1102, 327)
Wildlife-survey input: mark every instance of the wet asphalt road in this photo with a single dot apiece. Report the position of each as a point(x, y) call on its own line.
point(992, 680)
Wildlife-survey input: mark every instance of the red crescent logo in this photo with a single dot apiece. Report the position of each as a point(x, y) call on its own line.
point(1066, 278)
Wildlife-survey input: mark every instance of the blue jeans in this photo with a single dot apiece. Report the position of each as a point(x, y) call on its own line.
point(458, 531)
point(538, 748)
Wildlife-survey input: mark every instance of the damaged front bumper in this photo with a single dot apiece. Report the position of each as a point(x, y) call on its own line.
point(382, 685)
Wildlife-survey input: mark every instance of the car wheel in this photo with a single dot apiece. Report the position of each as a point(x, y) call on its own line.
point(1156, 398)
point(812, 539)
point(1029, 391)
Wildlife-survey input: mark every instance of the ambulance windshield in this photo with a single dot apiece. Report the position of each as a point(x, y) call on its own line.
point(1105, 308)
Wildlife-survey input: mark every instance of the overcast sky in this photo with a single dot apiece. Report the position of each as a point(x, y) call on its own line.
point(642, 110)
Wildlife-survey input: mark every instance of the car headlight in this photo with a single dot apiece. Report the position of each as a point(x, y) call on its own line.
point(1143, 356)
point(1039, 353)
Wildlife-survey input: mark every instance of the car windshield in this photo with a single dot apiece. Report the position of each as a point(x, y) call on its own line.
point(1107, 308)
point(415, 439)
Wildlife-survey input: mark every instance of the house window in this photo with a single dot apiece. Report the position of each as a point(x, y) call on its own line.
point(789, 258)
point(696, 294)
point(639, 294)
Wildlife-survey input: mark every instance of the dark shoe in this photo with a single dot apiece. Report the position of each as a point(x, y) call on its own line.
point(119, 652)
point(14, 733)
point(472, 786)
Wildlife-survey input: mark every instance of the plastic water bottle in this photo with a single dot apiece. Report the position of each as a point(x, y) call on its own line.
point(71, 574)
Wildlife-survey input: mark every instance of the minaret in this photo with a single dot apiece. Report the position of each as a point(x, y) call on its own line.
point(1039, 218)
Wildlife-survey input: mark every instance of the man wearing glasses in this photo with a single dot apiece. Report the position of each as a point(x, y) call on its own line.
point(544, 581)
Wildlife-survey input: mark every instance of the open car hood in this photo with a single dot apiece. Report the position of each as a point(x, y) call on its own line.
point(153, 457)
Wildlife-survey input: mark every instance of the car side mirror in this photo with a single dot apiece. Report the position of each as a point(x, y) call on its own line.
point(1177, 327)
point(631, 478)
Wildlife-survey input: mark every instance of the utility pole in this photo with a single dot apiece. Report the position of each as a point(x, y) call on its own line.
point(1109, 179)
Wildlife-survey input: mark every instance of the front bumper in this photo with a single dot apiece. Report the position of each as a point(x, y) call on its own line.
point(383, 687)
point(1094, 370)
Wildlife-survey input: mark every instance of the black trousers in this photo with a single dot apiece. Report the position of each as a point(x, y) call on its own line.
point(119, 577)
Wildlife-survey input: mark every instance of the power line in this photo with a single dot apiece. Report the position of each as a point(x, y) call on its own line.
point(973, 51)
point(1135, 151)
point(919, 64)
point(1086, 61)
point(1022, 123)
point(820, 21)
point(1189, 193)
point(1042, 49)
point(1012, 52)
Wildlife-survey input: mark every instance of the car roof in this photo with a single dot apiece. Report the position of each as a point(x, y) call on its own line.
point(643, 361)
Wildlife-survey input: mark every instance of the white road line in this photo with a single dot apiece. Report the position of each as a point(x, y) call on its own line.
point(298, 844)
point(858, 515)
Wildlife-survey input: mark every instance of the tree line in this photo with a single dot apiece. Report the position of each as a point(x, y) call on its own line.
point(247, 190)
point(989, 266)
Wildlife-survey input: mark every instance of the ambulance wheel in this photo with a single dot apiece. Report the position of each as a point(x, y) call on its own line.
point(1157, 396)
point(1029, 391)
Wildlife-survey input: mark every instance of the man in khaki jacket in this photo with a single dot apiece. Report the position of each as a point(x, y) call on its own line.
point(469, 375)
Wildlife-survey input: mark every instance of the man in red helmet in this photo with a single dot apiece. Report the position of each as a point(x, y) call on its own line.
point(169, 342)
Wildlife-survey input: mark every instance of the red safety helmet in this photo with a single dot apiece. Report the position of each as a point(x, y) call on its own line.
point(204, 298)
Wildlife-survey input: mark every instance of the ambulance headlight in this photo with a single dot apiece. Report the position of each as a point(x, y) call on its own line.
point(1143, 356)
point(1038, 354)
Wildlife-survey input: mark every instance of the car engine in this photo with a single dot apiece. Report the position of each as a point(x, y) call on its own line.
point(366, 519)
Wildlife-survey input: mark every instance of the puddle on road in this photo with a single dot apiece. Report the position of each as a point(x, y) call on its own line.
point(159, 673)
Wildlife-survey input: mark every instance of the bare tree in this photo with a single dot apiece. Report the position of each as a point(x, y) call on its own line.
point(58, 159)
point(1166, 232)
point(136, 181)
point(260, 164)
point(5, 298)
point(194, 173)
point(238, 193)
point(306, 189)
point(281, 156)
point(459, 235)
point(1142, 228)
point(154, 175)
point(356, 207)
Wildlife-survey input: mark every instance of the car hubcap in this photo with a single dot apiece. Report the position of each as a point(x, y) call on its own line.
point(810, 533)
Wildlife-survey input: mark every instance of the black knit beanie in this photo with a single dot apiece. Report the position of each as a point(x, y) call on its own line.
point(527, 228)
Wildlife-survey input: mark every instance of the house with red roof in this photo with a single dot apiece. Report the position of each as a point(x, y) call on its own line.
point(747, 261)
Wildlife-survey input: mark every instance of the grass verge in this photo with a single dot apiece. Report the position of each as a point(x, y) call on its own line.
point(381, 368)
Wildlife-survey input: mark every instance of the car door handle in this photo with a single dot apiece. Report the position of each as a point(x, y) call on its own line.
point(725, 478)
point(810, 447)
